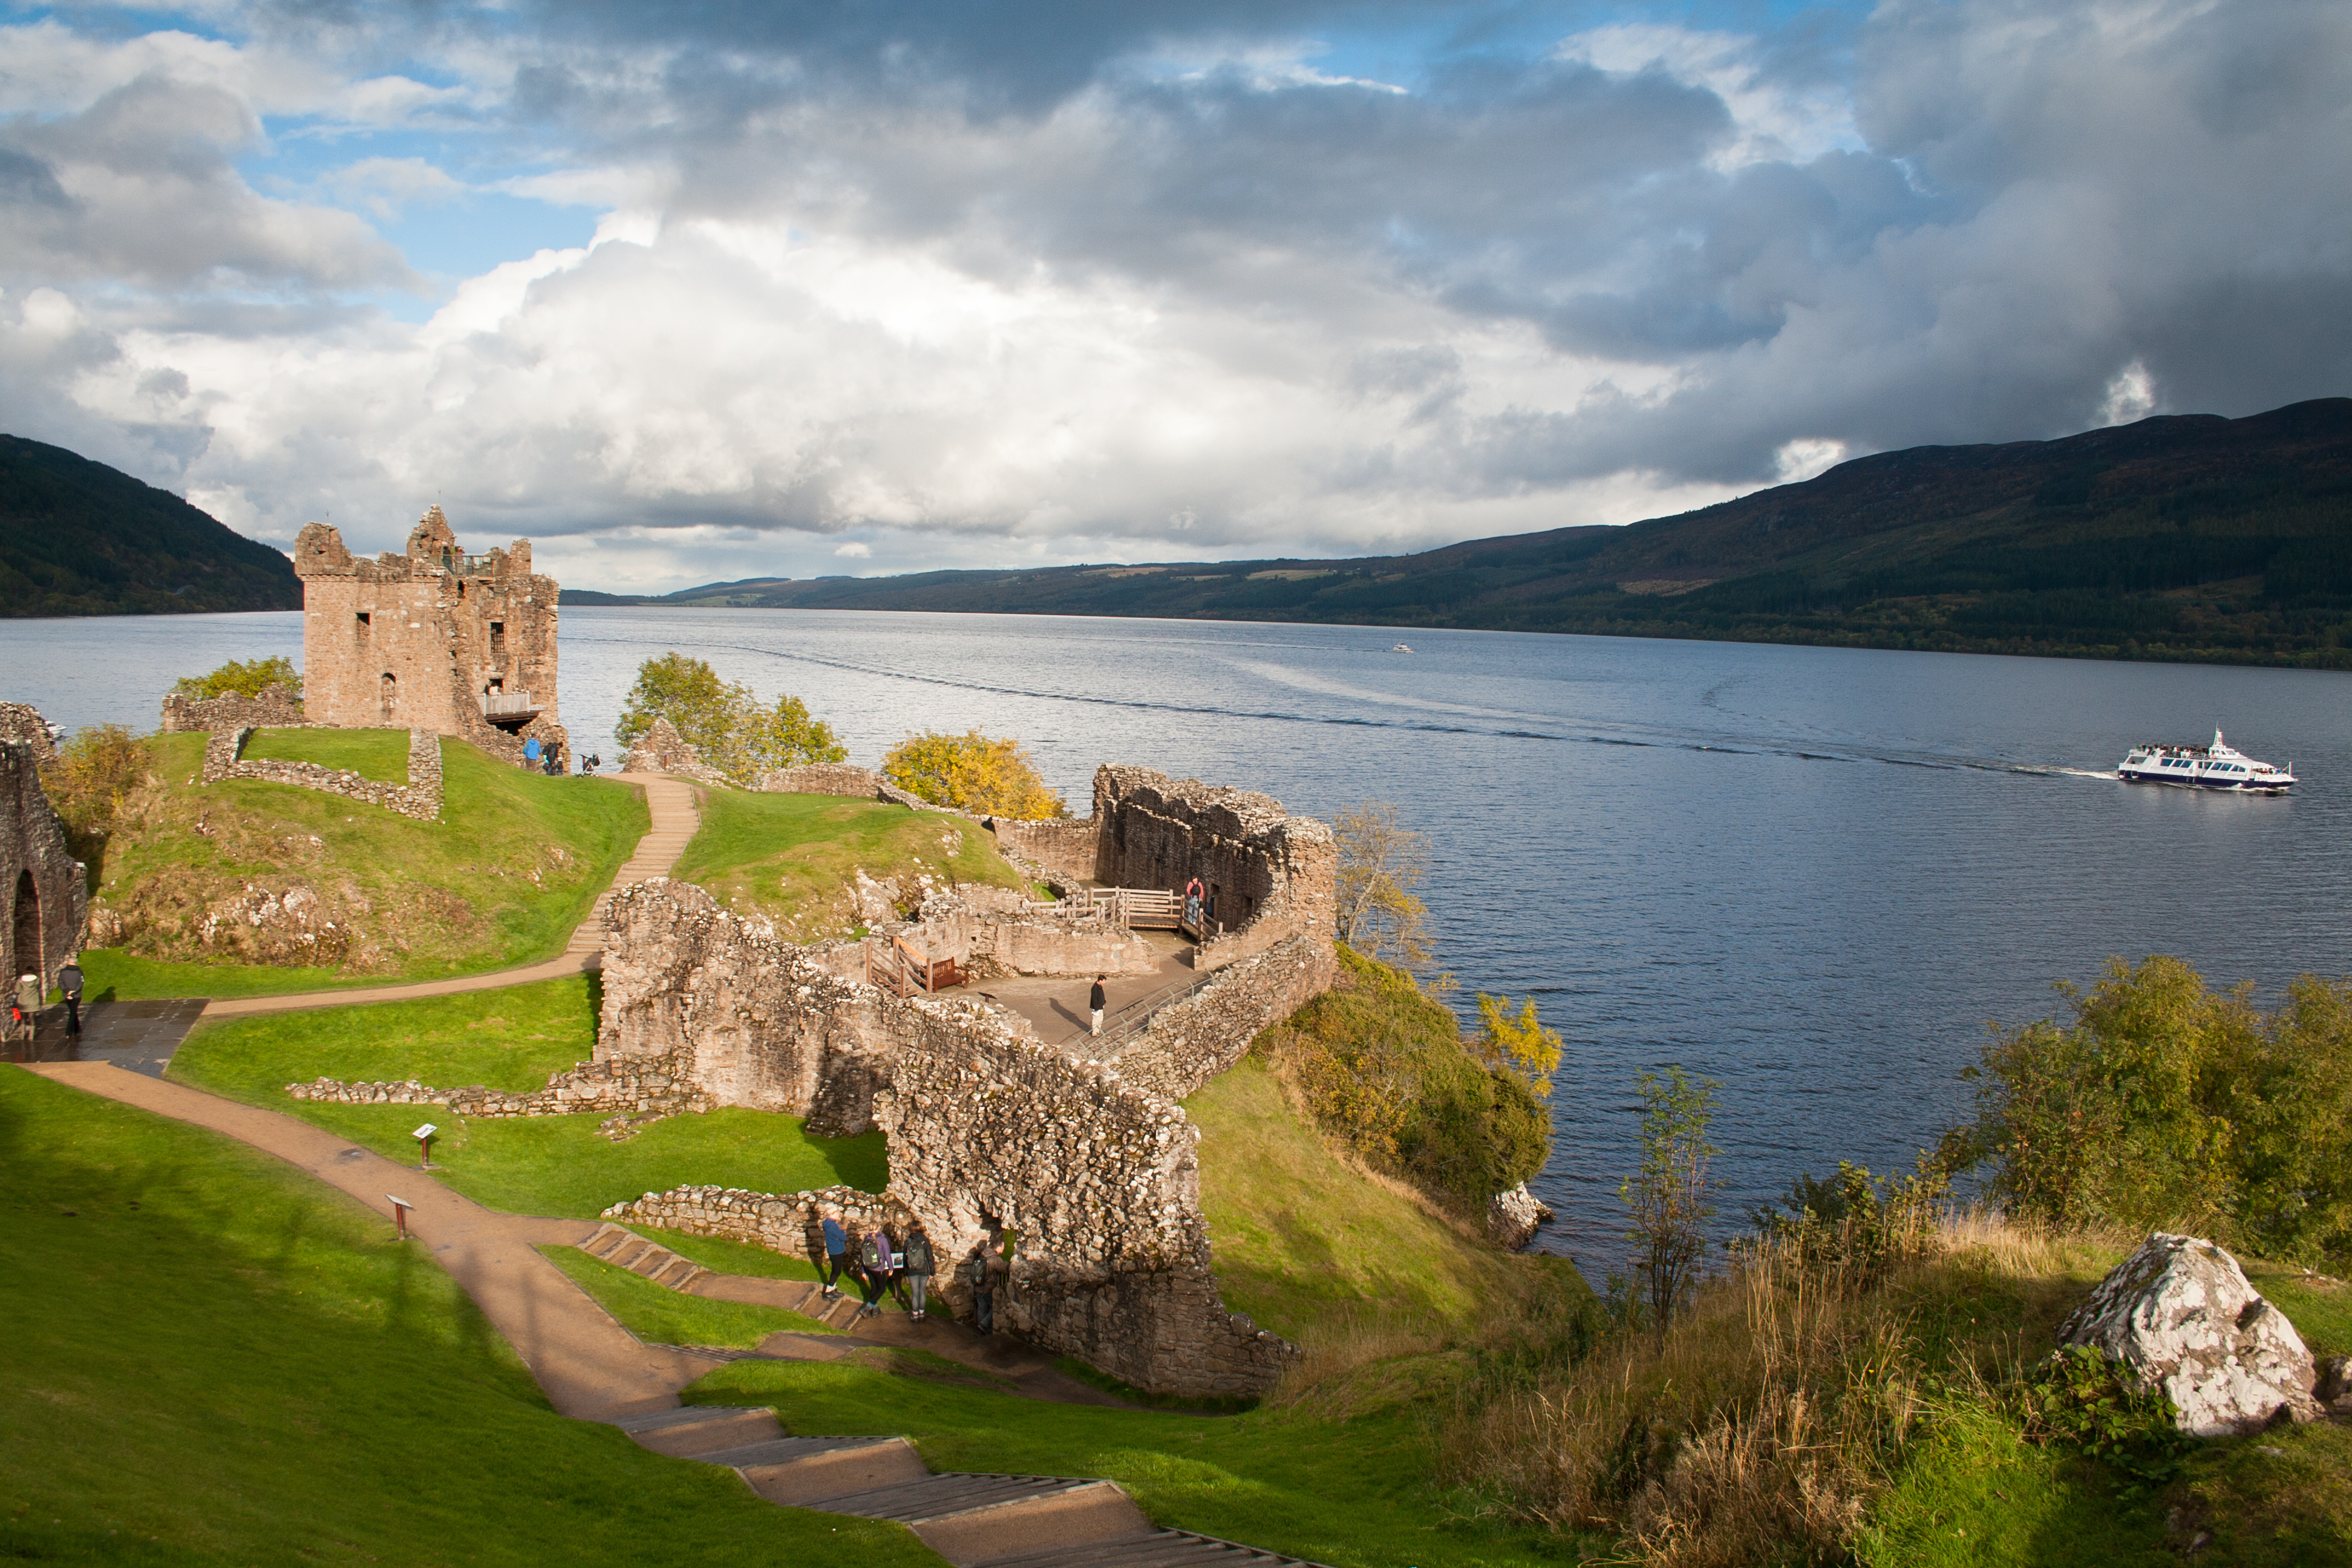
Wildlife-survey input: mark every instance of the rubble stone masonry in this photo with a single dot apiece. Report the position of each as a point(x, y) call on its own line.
point(47, 898)
point(276, 708)
point(419, 798)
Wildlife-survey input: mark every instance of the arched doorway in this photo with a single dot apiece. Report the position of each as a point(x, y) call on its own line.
point(387, 699)
point(27, 929)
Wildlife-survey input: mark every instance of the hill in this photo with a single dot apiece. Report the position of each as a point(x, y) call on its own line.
point(2180, 537)
point(78, 537)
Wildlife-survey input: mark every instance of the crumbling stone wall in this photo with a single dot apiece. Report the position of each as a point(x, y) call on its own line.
point(823, 778)
point(662, 749)
point(276, 708)
point(781, 1221)
point(1270, 876)
point(44, 894)
point(632, 1092)
point(22, 723)
point(992, 932)
point(433, 638)
point(1193, 1039)
point(419, 798)
point(1063, 848)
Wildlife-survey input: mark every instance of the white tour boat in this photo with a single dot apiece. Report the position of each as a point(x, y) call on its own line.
point(2218, 766)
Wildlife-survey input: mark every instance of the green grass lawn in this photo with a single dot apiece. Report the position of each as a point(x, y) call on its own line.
point(514, 863)
point(378, 754)
point(212, 1359)
point(1304, 1240)
point(1352, 1491)
point(658, 1315)
point(508, 1040)
point(795, 856)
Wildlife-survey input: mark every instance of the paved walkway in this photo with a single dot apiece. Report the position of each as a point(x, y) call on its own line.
point(674, 819)
point(1055, 1005)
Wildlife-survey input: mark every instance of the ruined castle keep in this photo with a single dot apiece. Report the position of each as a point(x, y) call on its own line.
point(433, 640)
point(1092, 1160)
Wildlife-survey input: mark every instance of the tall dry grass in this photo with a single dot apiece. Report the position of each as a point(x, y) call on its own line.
point(1761, 1422)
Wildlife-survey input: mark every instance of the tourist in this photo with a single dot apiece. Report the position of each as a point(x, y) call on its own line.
point(69, 981)
point(976, 1278)
point(1192, 905)
point(920, 1268)
point(1094, 1001)
point(836, 1256)
point(873, 1272)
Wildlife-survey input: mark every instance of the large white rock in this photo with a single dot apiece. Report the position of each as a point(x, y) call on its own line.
point(2180, 1313)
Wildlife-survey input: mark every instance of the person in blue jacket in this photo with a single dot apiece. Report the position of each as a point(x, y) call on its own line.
point(836, 1256)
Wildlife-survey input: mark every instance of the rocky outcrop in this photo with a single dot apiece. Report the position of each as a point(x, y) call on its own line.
point(1513, 1217)
point(661, 749)
point(2179, 1314)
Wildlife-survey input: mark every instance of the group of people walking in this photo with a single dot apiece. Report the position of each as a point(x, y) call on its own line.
point(877, 1264)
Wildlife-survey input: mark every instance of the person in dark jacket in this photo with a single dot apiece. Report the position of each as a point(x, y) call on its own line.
point(983, 1295)
point(873, 1272)
point(69, 981)
point(836, 1256)
point(1096, 998)
point(919, 1269)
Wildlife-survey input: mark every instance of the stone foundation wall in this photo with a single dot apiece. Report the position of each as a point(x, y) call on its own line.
point(1066, 849)
point(788, 1223)
point(994, 931)
point(419, 798)
point(629, 1093)
point(823, 778)
point(276, 708)
point(1192, 1040)
point(40, 921)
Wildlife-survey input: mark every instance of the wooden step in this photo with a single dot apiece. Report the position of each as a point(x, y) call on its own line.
point(1094, 1513)
point(809, 1472)
point(948, 1496)
point(1160, 1548)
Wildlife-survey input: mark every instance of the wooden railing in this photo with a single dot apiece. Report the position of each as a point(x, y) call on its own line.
point(1137, 909)
point(904, 969)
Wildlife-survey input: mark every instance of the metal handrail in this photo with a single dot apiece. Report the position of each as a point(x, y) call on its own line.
point(1137, 1015)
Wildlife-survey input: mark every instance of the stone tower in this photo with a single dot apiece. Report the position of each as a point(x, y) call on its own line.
point(433, 640)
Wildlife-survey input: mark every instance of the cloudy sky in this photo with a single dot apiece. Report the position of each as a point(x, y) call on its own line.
point(812, 286)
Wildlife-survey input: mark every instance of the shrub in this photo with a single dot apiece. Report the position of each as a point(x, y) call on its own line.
point(1380, 862)
point(1670, 1197)
point(1856, 1221)
point(1381, 1064)
point(972, 772)
point(2166, 1104)
point(2081, 1399)
point(726, 723)
point(242, 678)
point(88, 782)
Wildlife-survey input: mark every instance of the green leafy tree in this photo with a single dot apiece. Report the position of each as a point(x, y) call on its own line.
point(2168, 1104)
point(727, 724)
point(1381, 861)
point(974, 772)
point(242, 678)
point(1516, 1043)
point(1672, 1196)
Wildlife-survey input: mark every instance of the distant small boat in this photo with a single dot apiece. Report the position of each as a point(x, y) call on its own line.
point(1402, 648)
point(2218, 766)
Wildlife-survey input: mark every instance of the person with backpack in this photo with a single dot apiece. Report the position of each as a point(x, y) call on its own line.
point(920, 1268)
point(873, 1271)
point(983, 1299)
point(836, 1256)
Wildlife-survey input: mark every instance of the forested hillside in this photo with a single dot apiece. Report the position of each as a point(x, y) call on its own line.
point(78, 537)
point(2185, 537)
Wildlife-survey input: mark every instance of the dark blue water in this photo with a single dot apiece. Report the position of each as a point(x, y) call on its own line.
point(1812, 874)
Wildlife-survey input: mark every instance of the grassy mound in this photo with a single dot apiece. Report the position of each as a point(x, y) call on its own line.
point(270, 887)
point(508, 1040)
point(212, 1359)
point(378, 754)
point(796, 856)
point(658, 1315)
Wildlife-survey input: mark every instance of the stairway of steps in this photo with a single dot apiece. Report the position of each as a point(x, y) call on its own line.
point(627, 1249)
point(973, 1520)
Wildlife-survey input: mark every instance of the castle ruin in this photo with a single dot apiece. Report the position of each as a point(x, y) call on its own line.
point(47, 892)
point(433, 640)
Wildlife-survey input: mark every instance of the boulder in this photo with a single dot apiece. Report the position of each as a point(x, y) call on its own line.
point(2179, 1314)
point(1513, 1217)
point(2334, 1388)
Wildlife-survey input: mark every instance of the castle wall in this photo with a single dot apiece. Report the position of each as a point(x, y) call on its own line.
point(43, 898)
point(419, 640)
point(1193, 1039)
point(822, 778)
point(1063, 848)
point(276, 708)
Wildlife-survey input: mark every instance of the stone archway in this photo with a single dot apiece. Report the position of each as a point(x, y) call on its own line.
point(27, 931)
point(388, 698)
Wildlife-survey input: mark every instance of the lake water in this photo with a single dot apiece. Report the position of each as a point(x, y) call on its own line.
point(1813, 874)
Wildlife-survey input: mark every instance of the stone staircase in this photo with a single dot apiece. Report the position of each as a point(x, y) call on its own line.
point(627, 1249)
point(999, 1522)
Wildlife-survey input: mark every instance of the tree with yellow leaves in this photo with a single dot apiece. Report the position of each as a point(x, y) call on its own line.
point(972, 772)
